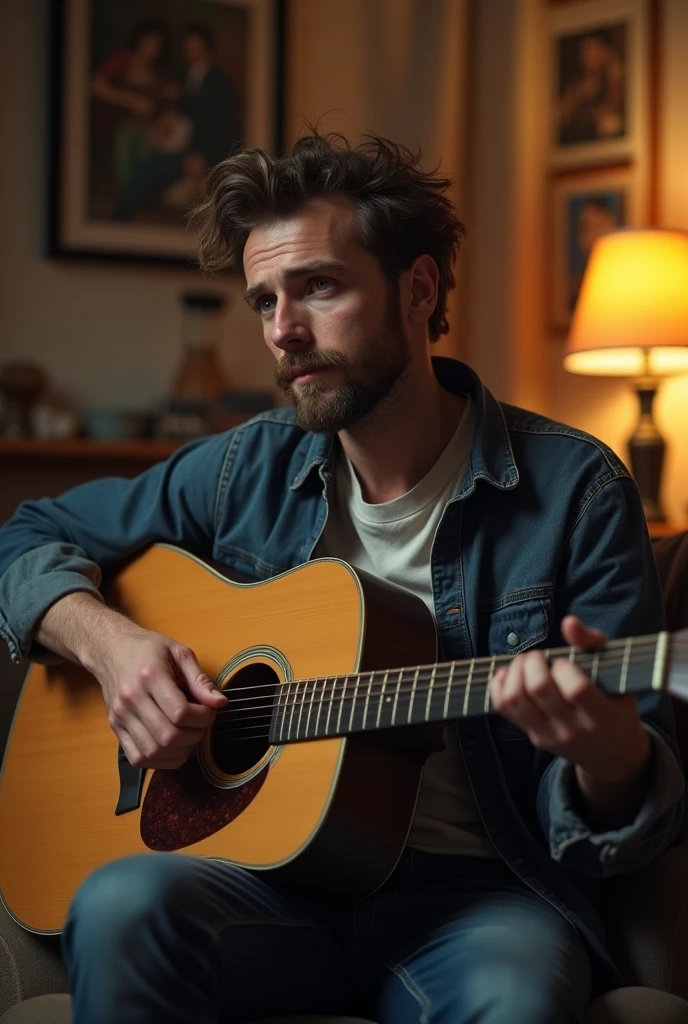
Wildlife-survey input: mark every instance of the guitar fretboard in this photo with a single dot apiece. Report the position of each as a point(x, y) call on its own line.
point(363, 701)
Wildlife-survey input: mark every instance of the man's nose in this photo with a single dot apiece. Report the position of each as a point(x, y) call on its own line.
point(289, 331)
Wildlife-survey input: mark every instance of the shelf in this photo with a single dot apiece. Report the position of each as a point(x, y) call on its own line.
point(84, 448)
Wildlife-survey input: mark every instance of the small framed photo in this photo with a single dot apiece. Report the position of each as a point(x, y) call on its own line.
point(599, 81)
point(145, 99)
point(586, 206)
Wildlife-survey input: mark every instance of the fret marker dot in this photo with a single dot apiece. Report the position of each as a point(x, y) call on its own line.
point(388, 700)
point(512, 639)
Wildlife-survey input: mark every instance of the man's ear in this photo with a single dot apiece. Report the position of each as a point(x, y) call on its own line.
point(422, 283)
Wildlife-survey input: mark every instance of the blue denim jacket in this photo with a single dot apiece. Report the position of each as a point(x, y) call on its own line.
point(546, 522)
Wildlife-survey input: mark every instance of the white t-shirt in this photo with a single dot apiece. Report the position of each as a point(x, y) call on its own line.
point(393, 540)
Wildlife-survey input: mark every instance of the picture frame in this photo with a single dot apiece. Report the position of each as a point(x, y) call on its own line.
point(600, 84)
point(584, 206)
point(144, 99)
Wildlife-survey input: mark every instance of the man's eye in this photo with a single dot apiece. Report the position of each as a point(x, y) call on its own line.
point(321, 284)
point(266, 304)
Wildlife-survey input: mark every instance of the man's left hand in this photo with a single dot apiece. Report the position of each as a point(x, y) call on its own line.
point(562, 711)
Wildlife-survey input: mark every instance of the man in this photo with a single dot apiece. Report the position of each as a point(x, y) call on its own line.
point(208, 108)
point(506, 524)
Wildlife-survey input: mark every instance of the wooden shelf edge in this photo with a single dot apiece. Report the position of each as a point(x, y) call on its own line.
point(84, 448)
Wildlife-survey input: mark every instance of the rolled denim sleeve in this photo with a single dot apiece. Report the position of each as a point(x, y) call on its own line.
point(610, 582)
point(53, 547)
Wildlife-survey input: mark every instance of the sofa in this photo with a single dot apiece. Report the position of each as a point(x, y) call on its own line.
point(646, 913)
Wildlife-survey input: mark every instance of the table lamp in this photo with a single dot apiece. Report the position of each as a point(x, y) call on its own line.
point(631, 320)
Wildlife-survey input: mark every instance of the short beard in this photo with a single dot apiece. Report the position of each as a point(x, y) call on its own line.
point(381, 369)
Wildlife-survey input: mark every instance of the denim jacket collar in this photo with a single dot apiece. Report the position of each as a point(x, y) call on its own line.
point(492, 458)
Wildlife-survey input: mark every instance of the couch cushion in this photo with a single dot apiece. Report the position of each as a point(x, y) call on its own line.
point(671, 556)
point(623, 1006)
point(635, 1005)
point(58, 1010)
point(40, 1010)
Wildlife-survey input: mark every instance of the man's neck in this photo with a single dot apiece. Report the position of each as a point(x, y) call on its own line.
point(401, 440)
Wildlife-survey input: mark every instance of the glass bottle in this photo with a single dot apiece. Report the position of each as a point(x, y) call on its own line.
point(201, 377)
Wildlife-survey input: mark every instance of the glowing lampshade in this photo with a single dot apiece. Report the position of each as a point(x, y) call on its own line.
point(631, 318)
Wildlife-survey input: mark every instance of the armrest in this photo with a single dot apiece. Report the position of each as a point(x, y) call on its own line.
point(30, 965)
point(646, 914)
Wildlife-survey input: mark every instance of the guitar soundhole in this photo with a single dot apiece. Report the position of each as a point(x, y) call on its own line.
point(240, 735)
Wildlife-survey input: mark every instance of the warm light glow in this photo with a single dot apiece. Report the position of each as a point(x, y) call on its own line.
point(631, 318)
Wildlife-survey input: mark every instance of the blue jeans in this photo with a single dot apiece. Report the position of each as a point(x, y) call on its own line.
point(166, 939)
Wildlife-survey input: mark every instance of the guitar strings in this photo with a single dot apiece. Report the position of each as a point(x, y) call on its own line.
point(361, 681)
point(334, 724)
point(350, 701)
point(639, 645)
point(347, 702)
point(287, 701)
point(237, 730)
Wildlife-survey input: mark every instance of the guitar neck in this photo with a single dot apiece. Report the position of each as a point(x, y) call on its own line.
point(331, 706)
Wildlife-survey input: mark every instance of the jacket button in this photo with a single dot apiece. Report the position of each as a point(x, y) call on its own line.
point(512, 639)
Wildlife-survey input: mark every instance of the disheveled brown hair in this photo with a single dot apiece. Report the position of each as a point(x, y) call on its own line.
point(403, 211)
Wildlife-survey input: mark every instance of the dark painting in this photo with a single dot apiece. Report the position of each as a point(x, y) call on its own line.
point(147, 96)
point(592, 86)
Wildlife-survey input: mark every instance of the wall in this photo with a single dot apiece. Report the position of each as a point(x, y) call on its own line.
point(507, 337)
point(395, 67)
point(609, 409)
point(112, 335)
point(106, 335)
point(504, 292)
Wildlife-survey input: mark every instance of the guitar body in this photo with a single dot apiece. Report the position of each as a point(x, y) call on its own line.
point(332, 813)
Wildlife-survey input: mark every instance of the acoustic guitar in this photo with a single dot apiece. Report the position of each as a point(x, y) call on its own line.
point(311, 771)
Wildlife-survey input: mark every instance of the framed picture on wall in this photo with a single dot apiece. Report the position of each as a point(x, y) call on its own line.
point(584, 207)
point(145, 98)
point(599, 81)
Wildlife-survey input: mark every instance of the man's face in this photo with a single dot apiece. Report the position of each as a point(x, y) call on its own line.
point(329, 316)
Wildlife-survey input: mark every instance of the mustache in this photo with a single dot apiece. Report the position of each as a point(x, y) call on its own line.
point(306, 362)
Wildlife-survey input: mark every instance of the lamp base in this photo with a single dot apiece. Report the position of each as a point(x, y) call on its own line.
point(647, 449)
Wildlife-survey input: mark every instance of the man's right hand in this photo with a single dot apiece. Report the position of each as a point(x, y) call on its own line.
point(160, 702)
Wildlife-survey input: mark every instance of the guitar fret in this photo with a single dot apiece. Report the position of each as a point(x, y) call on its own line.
point(341, 706)
point(428, 701)
point(447, 695)
point(486, 706)
point(329, 709)
point(282, 703)
point(281, 707)
point(413, 695)
point(659, 667)
point(371, 676)
point(595, 667)
point(320, 706)
point(624, 665)
point(468, 688)
point(353, 704)
point(293, 706)
point(396, 697)
point(382, 699)
point(310, 708)
point(301, 707)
